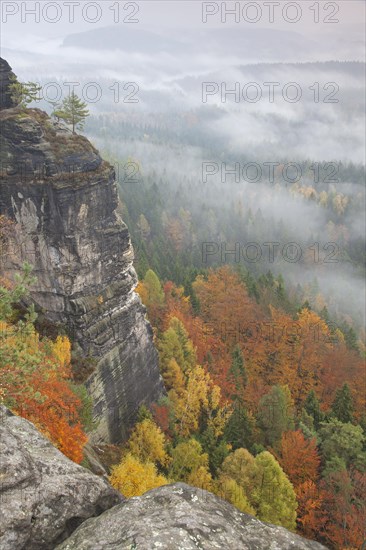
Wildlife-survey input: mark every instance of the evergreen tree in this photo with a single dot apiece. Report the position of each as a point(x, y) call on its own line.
point(240, 427)
point(237, 370)
point(324, 314)
point(215, 447)
point(342, 440)
point(312, 407)
point(362, 423)
point(342, 406)
point(23, 93)
point(189, 291)
point(281, 288)
point(73, 111)
point(275, 414)
point(351, 339)
point(305, 305)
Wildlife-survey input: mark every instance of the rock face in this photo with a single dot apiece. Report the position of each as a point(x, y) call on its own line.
point(63, 200)
point(44, 496)
point(180, 517)
point(6, 75)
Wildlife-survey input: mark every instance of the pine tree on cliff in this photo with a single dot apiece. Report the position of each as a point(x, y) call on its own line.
point(73, 111)
point(23, 93)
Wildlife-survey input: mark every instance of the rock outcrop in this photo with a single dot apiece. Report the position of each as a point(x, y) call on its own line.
point(63, 200)
point(43, 495)
point(6, 78)
point(181, 517)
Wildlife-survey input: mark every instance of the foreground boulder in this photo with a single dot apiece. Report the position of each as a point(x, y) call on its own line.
point(180, 517)
point(44, 496)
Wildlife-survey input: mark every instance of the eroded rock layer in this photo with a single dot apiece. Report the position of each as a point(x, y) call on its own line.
point(63, 200)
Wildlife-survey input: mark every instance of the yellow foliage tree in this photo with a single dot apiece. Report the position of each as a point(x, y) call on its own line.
point(201, 478)
point(133, 478)
point(61, 349)
point(187, 459)
point(240, 466)
point(147, 443)
point(175, 344)
point(173, 377)
point(227, 488)
point(202, 396)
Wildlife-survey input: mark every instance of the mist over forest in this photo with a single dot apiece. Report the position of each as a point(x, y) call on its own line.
point(239, 156)
point(172, 116)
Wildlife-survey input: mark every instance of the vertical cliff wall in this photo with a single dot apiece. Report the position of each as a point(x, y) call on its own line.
point(63, 200)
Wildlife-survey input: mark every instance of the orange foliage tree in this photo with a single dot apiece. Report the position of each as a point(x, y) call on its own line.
point(35, 377)
point(298, 457)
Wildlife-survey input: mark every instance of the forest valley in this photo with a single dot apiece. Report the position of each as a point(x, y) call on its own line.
point(265, 389)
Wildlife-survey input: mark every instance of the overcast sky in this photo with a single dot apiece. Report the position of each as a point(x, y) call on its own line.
point(184, 14)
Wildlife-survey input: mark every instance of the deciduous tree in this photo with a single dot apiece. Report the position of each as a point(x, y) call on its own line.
point(298, 457)
point(133, 477)
point(147, 442)
point(273, 496)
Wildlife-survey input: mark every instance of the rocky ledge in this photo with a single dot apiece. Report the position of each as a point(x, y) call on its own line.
point(181, 517)
point(44, 496)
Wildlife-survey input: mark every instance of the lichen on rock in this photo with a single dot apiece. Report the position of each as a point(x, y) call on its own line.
point(181, 517)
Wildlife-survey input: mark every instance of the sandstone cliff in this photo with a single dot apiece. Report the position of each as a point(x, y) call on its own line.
point(49, 502)
point(63, 199)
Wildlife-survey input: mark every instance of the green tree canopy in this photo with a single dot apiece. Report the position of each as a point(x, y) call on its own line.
point(227, 488)
point(342, 440)
point(240, 466)
point(237, 369)
point(312, 407)
point(153, 288)
point(239, 430)
point(275, 414)
point(342, 406)
point(187, 458)
point(273, 497)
